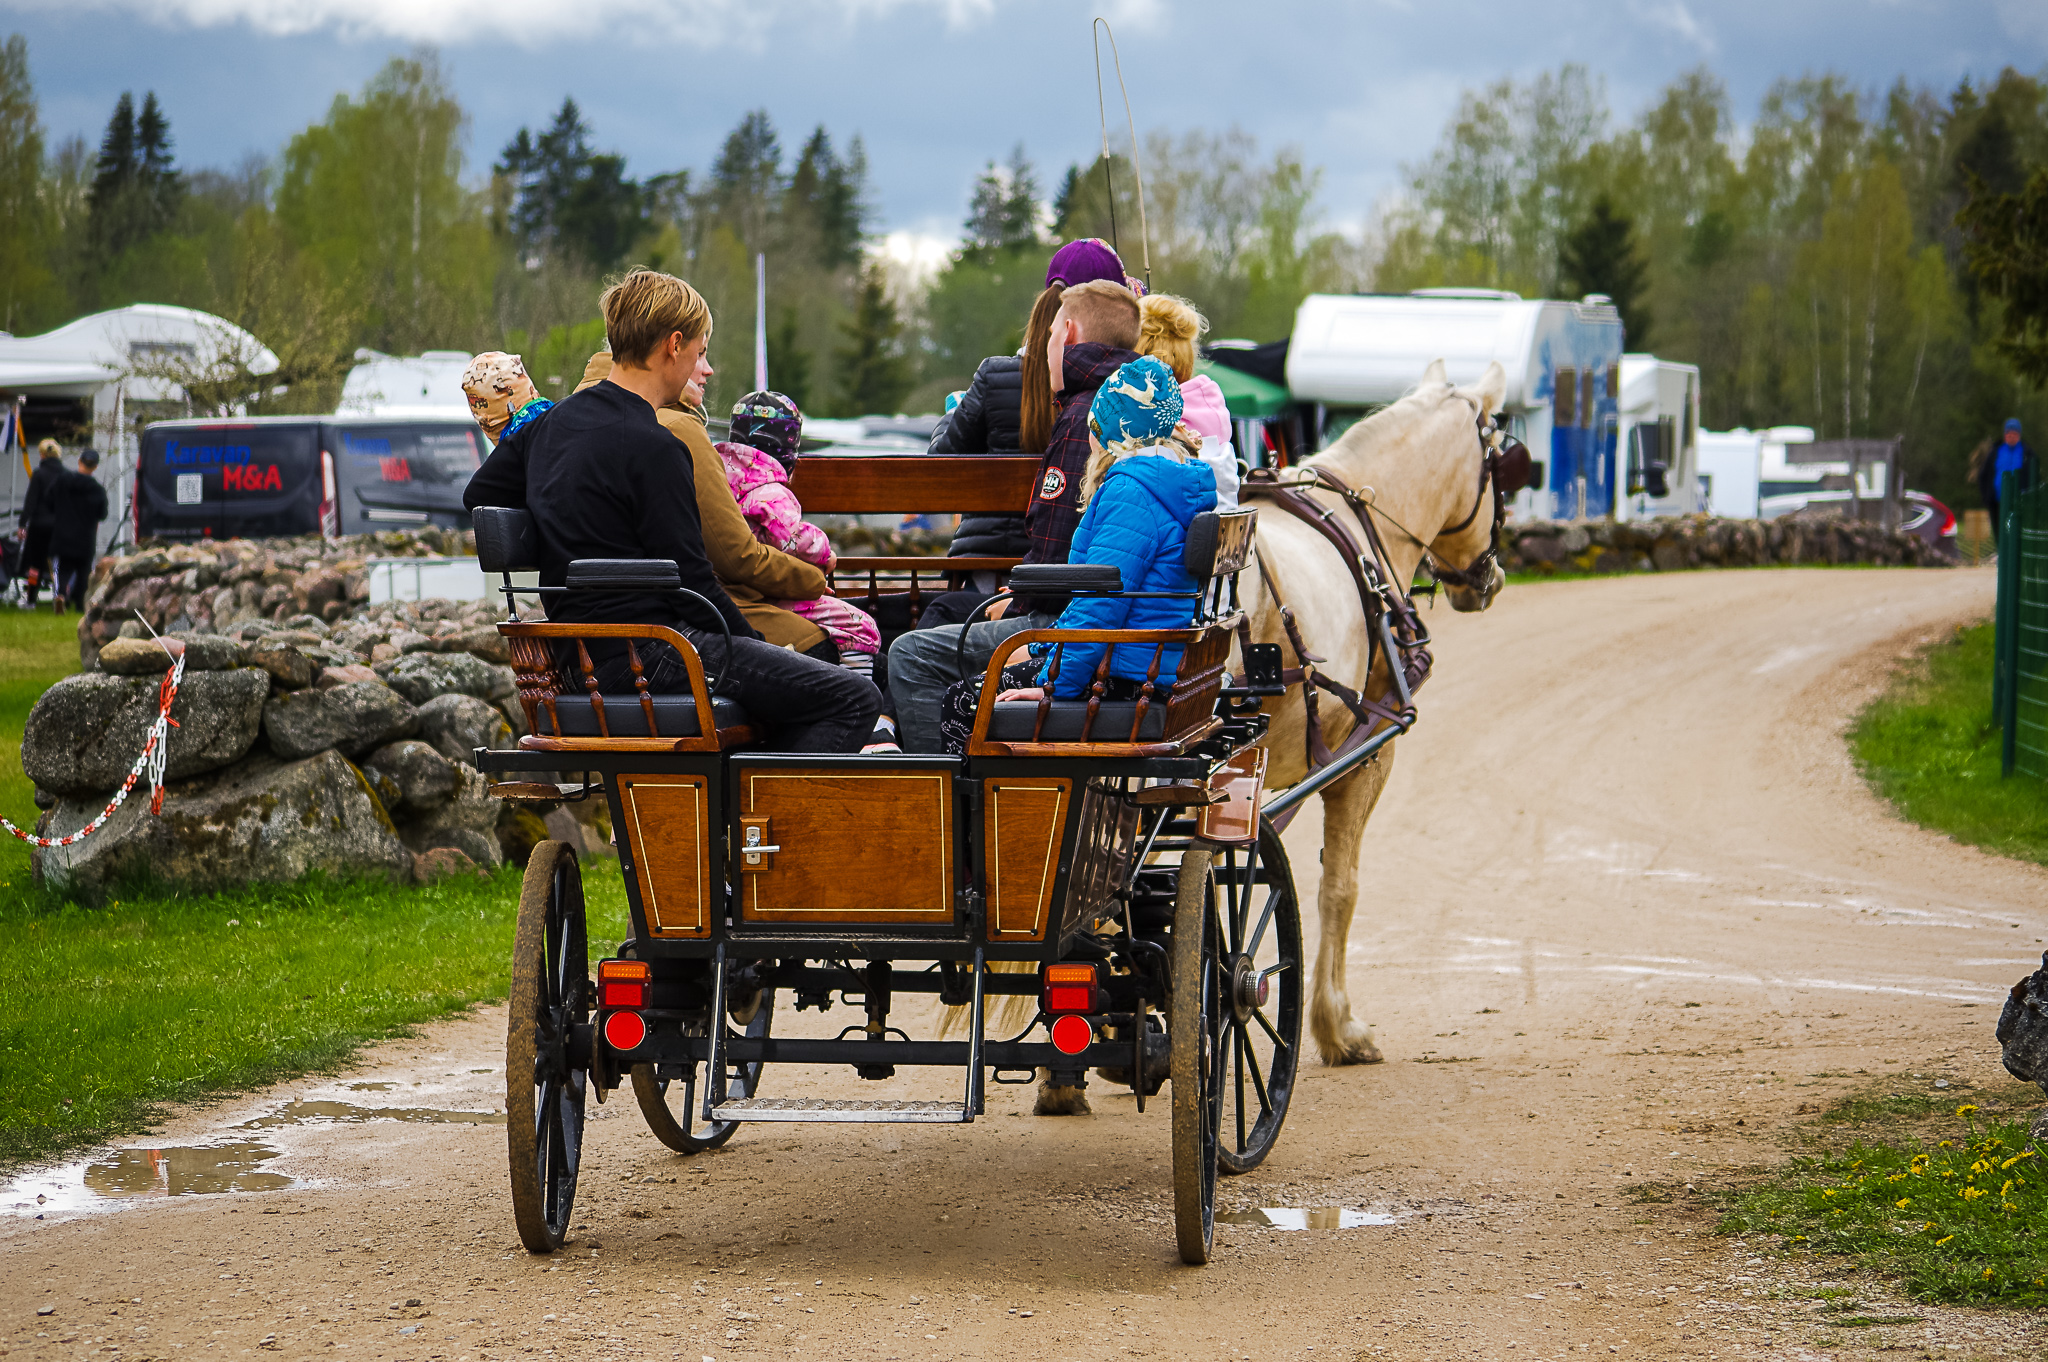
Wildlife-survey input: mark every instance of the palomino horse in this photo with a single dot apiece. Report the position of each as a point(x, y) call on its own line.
point(1420, 464)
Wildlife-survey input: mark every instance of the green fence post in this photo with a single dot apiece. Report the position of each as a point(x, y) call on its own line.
point(2004, 631)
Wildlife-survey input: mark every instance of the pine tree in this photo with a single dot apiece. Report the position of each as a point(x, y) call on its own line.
point(156, 176)
point(569, 200)
point(2006, 247)
point(874, 373)
point(1600, 256)
point(111, 203)
point(789, 364)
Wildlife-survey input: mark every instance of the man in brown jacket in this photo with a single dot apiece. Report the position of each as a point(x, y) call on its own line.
point(751, 572)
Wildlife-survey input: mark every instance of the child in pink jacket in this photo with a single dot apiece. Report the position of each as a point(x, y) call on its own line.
point(767, 430)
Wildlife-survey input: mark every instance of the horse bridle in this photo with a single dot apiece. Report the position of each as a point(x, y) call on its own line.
point(1501, 458)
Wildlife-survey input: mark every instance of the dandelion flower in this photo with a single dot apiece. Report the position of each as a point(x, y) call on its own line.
point(1903, 1202)
point(1966, 1108)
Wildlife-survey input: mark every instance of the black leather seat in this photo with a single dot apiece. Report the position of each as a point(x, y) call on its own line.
point(1012, 722)
point(675, 716)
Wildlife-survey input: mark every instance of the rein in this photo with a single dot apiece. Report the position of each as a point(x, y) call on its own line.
point(1393, 627)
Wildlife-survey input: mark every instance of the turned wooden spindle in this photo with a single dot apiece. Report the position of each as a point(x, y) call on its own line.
point(1147, 691)
point(640, 685)
point(1096, 689)
point(590, 688)
point(1052, 676)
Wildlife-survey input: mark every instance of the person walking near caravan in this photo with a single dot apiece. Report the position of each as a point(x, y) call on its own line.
point(81, 504)
point(2008, 468)
point(39, 517)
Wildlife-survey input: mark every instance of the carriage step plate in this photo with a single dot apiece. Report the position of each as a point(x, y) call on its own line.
point(827, 1109)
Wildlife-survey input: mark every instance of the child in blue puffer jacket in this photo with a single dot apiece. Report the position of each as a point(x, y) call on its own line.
point(1144, 484)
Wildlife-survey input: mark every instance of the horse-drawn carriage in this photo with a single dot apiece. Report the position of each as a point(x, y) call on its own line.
point(1112, 854)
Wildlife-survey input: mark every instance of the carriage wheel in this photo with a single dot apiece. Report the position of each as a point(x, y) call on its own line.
point(1262, 986)
point(673, 1107)
point(546, 1076)
point(1194, 1028)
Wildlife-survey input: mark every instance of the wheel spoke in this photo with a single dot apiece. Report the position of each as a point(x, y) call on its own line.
point(1259, 933)
point(1237, 1063)
point(1268, 1027)
point(1251, 1058)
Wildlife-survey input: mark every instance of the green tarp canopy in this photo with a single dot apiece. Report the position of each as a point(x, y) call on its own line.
point(1245, 395)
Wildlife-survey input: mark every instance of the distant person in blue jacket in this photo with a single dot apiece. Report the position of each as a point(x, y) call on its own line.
point(2008, 468)
point(1145, 482)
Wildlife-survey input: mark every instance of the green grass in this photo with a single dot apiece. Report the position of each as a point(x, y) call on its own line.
point(1959, 1213)
point(36, 648)
point(161, 995)
point(1929, 746)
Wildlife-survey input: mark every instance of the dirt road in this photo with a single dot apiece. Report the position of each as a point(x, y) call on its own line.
point(1631, 911)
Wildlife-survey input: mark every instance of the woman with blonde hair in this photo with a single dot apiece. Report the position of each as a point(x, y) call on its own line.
point(1169, 329)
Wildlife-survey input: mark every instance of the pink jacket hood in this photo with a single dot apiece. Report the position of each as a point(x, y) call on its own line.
point(1203, 408)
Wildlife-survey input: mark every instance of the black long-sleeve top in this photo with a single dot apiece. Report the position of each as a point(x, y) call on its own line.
point(602, 479)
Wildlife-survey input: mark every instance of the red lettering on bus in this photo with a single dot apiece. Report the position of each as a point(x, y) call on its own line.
point(394, 468)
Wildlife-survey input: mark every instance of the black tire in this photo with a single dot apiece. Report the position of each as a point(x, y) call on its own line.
point(546, 1077)
point(1260, 921)
point(672, 1107)
point(1193, 1027)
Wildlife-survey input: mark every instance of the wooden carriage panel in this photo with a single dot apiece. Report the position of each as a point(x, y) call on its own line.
point(667, 827)
point(925, 483)
point(1023, 825)
point(1235, 820)
point(865, 846)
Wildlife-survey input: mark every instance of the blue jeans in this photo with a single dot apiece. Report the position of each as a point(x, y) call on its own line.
point(923, 662)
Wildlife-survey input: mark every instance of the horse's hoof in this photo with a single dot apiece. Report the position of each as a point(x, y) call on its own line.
point(1061, 1101)
point(1357, 1051)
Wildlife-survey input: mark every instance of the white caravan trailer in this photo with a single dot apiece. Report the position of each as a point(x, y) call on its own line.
point(89, 382)
point(427, 384)
point(1659, 445)
point(1729, 462)
point(1563, 360)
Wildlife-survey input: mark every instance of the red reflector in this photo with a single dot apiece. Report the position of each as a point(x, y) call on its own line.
point(622, 993)
point(624, 1030)
point(1070, 1035)
point(1070, 998)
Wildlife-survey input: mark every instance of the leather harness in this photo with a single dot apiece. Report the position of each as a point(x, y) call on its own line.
point(1384, 601)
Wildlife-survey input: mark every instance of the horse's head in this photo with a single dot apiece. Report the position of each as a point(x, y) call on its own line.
point(1489, 469)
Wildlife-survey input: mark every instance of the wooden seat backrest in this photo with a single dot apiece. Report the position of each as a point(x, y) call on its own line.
point(914, 484)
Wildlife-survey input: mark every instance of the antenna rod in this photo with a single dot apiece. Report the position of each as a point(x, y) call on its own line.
point(1138, 171)
point(1102, 117)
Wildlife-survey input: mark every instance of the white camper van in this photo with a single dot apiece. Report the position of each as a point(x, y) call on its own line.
point(1563, 362)
point(1658, 452)
point(428, 384)
point(1728, 463)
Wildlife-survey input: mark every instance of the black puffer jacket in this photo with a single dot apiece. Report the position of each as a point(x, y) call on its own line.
point(987, 421)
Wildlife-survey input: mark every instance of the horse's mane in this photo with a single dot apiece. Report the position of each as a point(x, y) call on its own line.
point(1390, 422)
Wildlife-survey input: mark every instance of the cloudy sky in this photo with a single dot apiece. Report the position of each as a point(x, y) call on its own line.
point(937, 87)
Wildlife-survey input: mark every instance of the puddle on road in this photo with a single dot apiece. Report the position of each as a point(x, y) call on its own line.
point(1306, 1218)
point(133, 1174)
point(315, 1113)
point(123, 1176)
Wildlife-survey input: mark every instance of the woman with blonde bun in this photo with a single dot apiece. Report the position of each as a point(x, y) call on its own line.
point(1168, 328)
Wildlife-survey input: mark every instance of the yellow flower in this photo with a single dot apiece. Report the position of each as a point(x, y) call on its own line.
point(1987, 1274)
point(2007, 1189)
point(1970, 1193)
point(1939, 1242)
point(1966, 1109)
point(1903, 1202)
point(2010, 1207)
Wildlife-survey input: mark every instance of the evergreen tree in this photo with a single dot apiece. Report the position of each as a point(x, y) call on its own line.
point(1003, 214)
point(26, 279)
point(569, 200)
point(826, 193)
point(2007, 250)
point(1600, 256)
point(874, 373)
point(163, 188)
point(135, 189)
point(789, 364)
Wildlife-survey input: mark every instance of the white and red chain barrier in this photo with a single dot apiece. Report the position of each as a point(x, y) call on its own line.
point(152, 759)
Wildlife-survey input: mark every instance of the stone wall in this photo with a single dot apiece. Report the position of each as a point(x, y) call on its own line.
point(314, 731)
point(1672, 545)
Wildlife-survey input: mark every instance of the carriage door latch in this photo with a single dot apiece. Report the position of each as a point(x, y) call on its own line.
point(756, 852)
